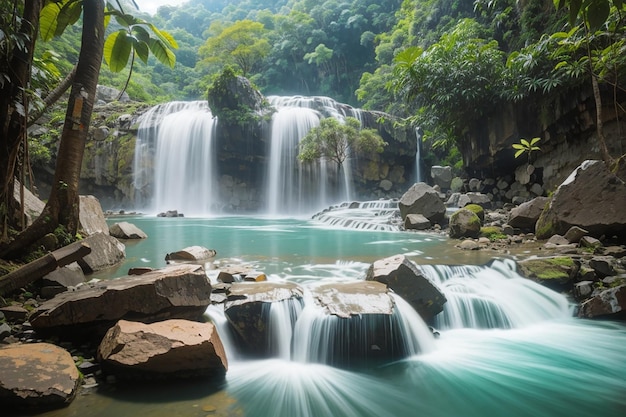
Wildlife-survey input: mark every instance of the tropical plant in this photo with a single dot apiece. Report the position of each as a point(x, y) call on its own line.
point(526, 147)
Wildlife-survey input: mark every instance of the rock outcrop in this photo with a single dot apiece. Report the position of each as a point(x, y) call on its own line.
point(125, 230)
point(403, 276)
point(166, 349)
point(422, 199)
point(592, 198)
point(179, 291)
point(36, 375)
point(351, 299)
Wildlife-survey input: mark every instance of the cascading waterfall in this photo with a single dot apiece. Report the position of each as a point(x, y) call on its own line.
point(292, 187)
point(418, 155)
point(179, 138)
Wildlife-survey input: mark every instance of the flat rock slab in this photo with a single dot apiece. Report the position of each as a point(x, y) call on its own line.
point(191, 254)
point(171, 348)
point(37, 375)
point(354, 298)
point(177, 291)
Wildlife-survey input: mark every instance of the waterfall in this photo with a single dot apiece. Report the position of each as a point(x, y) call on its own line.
point(418, 155)
point(493, 296)
point(175, 149)
point(292, 187)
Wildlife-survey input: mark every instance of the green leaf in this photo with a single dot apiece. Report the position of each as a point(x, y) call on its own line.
point(142, 50)
point(518, 146)
point(68, 15)
point(597, 14)
point(535, 148)
point(48, 21)
point(162, 52)
point(520, 152)
point(525, 143)
point(141, 33)
point(534, 140)
point(164, 36)
point(574, 9)
point(117, 49)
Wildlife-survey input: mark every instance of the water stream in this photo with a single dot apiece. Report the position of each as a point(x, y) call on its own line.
point(507, 346)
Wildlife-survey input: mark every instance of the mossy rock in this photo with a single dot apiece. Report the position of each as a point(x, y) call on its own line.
point(556, 272)
point(477, 210)
point(464, 223)
point(493, 233)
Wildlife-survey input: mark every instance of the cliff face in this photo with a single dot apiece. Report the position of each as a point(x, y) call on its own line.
point(567, 129)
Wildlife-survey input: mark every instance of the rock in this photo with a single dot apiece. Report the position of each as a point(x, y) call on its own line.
point(475, 185)
point(556, 272)
point(536, 189)
point(191, 254)
point(255, 276)
point(589, 242)
point(33, 206)
point(477, 210)
point(346, 300)
point(526, 214)
point(602, 265)
point(246, 311)
point(610, 302)
point(14, 313)
point(167, 349)
point(522, 174)
point(106, 251)
point(170, 213)
point(178, 291)
point(583, 289)
point(591, 198)
point(91, 216)
point(558, 240)
point(39, 375)
point(110, 94)
point(386, 185)
point(464, 223)
point(456, 185)
point(61, 279)
point(474, 198)
point(125, 230)
point(442, 176)
point(416, 222)
point(5, 331)
point(406, 280)
point(574, 234)
point(469, 244)
point(422, 199)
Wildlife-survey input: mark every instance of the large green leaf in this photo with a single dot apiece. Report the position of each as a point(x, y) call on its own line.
point(68, 15)
point(48, 21)
point(162, 52)
point(597, 13)
point(142, 49)
point(117, 49)
point(164, 36)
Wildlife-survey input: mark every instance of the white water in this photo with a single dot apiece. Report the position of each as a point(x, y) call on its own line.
point(380, 215)
point(418, 156)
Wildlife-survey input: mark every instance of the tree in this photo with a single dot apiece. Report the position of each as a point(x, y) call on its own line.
point(244, 44)
point(337, 141)
point(62, 207)
point(591, 16)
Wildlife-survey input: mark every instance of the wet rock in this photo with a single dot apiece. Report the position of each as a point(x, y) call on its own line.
point(178, 291)
point(167, 349)
point(416, 222)
point(554, 272)
point(583, 289)
point(91, 216)
point(607, 303)
point(355, 298)
point(37, 375)
point(422, 199)
point(125, 230)
point(591, 198)
point(191, 254)
point(464, 223)
point(526, 214)
point(404, 277)
point(247, 311)
point(574, 234)
point(106, 251)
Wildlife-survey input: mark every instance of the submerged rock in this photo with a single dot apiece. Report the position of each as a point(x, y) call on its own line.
point(403, 276)
point(179, 291)
point(167, 349)
point(39, 375)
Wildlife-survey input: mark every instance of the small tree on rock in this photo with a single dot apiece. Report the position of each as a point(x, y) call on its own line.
point(337, 141)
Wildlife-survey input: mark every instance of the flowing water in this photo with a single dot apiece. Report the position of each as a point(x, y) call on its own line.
point(507, 347)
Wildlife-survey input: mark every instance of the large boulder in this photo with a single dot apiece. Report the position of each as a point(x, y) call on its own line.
point(166, 349)
point(125, 230)
point(91, 216)
point(525, 215)
point(178, 291)
point(464, 223)
point(422, 199)
point(404, 278)
point(39, 375)
point(610, 303)
point(592, 198)
point(247, 311)
point(106, 251)
point(442, 176)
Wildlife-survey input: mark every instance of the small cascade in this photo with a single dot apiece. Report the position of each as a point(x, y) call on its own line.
point(493, 296)
point(175, 149)
point(282, 318)
point(418, 155)
point(382, 215)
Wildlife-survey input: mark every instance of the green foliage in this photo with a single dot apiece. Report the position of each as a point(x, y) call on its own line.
point(526, 147)
point(337, 141)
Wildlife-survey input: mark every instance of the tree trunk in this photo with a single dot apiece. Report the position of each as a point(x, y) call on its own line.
point(62, 207)
point(604, 150)
point(12, 121)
